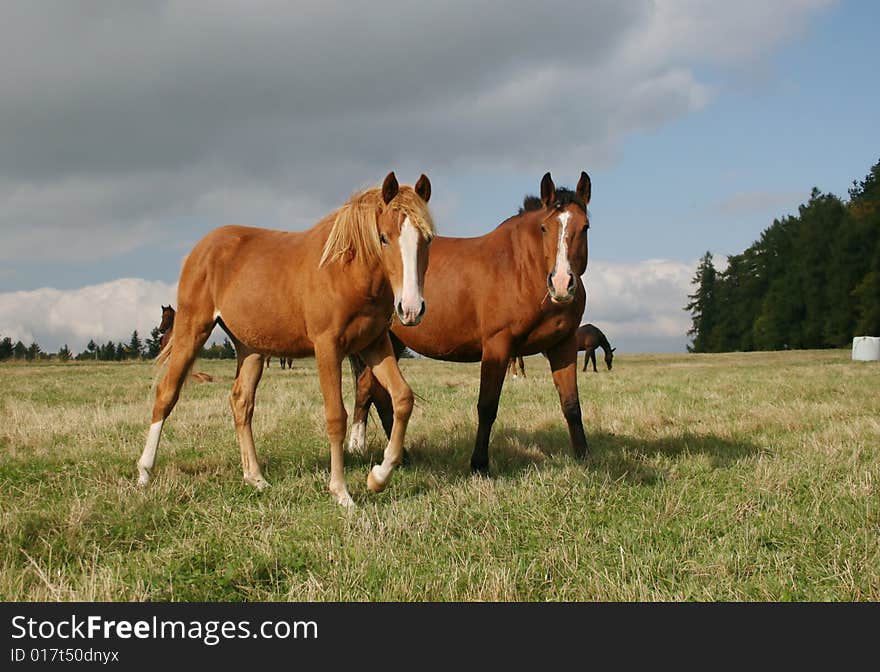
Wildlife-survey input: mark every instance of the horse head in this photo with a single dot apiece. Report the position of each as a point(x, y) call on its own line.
point(167, 319)
point(609, 357)
point(564, 226)
point(405, 232)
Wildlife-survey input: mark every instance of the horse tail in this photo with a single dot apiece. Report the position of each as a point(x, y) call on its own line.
point(164, 354)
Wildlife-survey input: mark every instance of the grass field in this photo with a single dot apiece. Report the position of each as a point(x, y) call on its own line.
point(713, 477)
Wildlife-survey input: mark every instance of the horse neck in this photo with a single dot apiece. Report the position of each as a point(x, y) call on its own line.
point(528, 248)
point(603, 342)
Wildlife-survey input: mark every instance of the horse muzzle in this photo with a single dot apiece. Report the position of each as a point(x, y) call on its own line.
point(410, 313)
point(561, 289)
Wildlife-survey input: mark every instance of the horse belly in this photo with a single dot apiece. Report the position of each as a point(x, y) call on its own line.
point(448, 345)
point(271, 332)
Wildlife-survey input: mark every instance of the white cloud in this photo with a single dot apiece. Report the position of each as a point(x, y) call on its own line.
point(639, 306)
point(109, 311)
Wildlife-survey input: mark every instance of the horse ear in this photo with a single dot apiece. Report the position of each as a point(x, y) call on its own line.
point(389, 188)
point(584, 187)
point(423, 188)
point(613, 349)
point(548, 190)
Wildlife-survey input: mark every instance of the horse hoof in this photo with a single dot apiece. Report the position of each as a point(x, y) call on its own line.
point(259, 482)
point(143, 476)
point(344, 500)
point(374, 484)
point(480, 469)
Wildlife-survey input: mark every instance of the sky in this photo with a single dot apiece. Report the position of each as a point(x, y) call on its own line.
point(129, 130)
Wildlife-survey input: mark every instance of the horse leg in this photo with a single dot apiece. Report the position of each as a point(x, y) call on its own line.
point(244, 390)
point(522, 367)
point(368, 391)
point(593, 359)
point(492, 370)
point(329, 361)
point(586, 359)
point(357, 439)
point(381, 359)
point(563, 365)
point(189, 336)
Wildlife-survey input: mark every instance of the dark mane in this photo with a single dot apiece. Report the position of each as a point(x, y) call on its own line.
point(564, 197)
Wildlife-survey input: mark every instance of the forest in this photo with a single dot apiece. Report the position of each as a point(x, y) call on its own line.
point(135, 348)
point(812, 280)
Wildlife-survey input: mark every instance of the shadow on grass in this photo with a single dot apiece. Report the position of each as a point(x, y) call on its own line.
point(513, 453)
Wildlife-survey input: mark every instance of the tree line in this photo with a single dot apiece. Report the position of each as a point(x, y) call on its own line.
point(812, 280)
point(135, 348)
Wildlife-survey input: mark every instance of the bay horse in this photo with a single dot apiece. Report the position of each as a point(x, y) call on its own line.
point(589, 338)
point(328, 291)
point(512, 292)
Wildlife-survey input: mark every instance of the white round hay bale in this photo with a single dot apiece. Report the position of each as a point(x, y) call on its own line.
point(866, 348)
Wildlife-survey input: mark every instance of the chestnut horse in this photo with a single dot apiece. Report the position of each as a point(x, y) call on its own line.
point(327, 291)
point(589, 338)
point(514, 291)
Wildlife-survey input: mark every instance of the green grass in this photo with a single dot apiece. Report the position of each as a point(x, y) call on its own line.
point(713, 477)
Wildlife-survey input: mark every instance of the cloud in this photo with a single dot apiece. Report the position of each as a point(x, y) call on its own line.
point(120, 120)
point(758, 203)
point(109, 311)
point(639, 306)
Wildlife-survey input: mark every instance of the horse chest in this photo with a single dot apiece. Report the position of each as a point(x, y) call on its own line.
point(547, 332)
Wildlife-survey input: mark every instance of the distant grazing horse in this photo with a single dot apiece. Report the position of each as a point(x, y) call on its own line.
point(589, 338)
point(327, 291)
point(514, 291)
point(511, 367)
point(282, 362)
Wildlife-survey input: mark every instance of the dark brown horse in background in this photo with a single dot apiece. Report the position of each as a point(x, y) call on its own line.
point(512, 292)
point(327, 291)
point(589, 338)
point(166, 325)
point(282, 362)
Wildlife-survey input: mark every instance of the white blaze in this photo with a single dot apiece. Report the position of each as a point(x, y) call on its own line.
point(562, 270)
point(409, 246)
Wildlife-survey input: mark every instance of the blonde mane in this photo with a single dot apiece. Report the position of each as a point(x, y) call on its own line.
point(355, 227)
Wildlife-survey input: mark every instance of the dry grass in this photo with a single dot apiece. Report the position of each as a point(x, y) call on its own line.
point(713, 477)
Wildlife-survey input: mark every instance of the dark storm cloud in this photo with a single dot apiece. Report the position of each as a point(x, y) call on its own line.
point(115, 117)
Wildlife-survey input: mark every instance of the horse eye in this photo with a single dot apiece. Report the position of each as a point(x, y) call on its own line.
point(383, 239)
point(543, 228)
point(586, 226)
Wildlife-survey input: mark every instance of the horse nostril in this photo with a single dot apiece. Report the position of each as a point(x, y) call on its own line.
point(399, 308)
point(550, 280)
point(571, 282)
point(422, 310)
